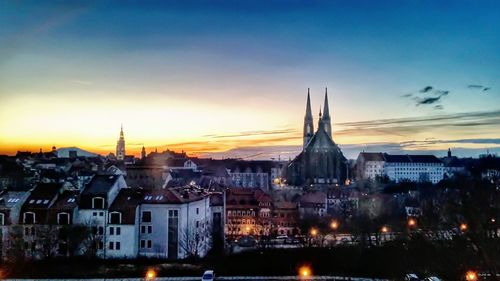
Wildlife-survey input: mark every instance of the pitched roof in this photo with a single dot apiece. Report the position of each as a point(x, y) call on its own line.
point(372, 156)
point(172, 196)
point(100, 184)
point(313, 197)
point(126, 203)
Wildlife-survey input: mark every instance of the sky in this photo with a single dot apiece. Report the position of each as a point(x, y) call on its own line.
point(230, 78)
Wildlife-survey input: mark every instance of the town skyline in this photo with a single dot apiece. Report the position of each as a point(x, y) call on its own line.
point(231, 80)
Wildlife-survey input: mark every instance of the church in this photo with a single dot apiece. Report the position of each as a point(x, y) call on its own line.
point(321, 160)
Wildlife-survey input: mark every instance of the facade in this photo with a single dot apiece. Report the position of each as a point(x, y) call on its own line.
point(120, 147)
point(248, 212)
point(251, 174)
point(313, 204)
point(397, 168)
point(10, 211)
point(95, 200)
point(321, 160)
point(146, 176)
point(286, 218)
point(174, 223)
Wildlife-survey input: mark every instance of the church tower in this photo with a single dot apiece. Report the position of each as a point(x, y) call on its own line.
point(120, 146)
point(308, 121)
point(325, 120)
point(143, 153)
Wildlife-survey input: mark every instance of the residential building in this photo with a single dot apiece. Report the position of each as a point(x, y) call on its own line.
point(174, 223)
point(313, 204)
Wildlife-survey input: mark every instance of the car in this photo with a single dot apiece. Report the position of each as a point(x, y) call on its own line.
point(432, 278)
point(208, 275)
point(411, 277)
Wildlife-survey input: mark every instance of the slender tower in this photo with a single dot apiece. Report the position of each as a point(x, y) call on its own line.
point(327, 125)
point(308, 121)
point(143, 153)
point(120, 146)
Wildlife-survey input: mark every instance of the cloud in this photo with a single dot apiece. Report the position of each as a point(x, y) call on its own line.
point(426, 89)
point(475, 86)
point(425, 99)
point(255, 133)
point(486, 89)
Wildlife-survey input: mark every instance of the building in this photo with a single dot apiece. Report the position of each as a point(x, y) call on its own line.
point(397, 168)
point(313, 204)
point(251, 174)
point(174, 223)
point(122, 229)
point(120, 146)
point(286, 218)
point(248, 212)
point(146, 176)
point(95, 200)
point(10, 211)
point(321, 160)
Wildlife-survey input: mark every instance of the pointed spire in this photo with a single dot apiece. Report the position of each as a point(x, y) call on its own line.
point(326, 110)
point(308, 107)
point(320, 112)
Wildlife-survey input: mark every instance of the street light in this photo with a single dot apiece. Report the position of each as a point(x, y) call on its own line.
point(384, 229)
point(305, 272)
point(314, 232)
point(334, 225)
point(471, 275)
point(150, 274)
point(463, 227)
point(412, 222)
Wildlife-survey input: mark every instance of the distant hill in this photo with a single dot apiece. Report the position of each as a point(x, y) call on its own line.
point(64, 152)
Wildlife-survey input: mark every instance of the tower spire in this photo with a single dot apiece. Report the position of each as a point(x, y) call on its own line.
point(308, 121)
point(326, 120)
point(120, 145)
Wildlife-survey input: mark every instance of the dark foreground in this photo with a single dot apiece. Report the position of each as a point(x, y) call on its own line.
point(448, 260)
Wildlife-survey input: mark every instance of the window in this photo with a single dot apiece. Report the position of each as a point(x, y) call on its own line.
point(111, 231)
point(150, 228)
point(143, 229)
point(115, 218)
point(97, 203)
point(150, 245)
point(118, 231)
point(29, 218)
point(100, 245)
point(111, 245)
point(146, 216)
point(117, 245)
point(100, 230)
point(63, 218)
point(101, 214)
point(197, 211)
point(2, 219)
point(143, 244)
point(94, 214)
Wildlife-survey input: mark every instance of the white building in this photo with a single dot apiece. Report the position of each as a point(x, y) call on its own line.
point(95, 199)
point(416, 168)
point(174, 223)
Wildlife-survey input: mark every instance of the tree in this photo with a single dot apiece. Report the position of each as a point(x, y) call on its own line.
point(47, 237)
point(194, 240)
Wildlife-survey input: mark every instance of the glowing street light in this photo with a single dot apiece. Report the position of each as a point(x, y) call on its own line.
point(463, 227)
point(314, 232)
point(412, 222)
point(305, 271)
point(334, 225)
point(384, 229)
point(150, 274)
point(471, 275)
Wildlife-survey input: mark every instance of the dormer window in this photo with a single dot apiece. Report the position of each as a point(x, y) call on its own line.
point(97, 203)
point(63, 218)
point(29, 218)
point(115, 218)
point(2, 219)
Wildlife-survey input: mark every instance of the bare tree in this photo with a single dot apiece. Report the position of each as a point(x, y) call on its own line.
point(195, 241)
point(48, 240)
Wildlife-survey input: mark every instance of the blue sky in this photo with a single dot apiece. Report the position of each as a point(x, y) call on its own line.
point(230, 67)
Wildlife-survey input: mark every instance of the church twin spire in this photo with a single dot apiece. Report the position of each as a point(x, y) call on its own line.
point(324, 121)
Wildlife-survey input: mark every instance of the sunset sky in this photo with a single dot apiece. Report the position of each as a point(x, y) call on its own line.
point(209, 77)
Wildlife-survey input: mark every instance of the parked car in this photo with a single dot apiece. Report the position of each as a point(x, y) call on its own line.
point(411, 277)
point(208, 275)
point(432, 278)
